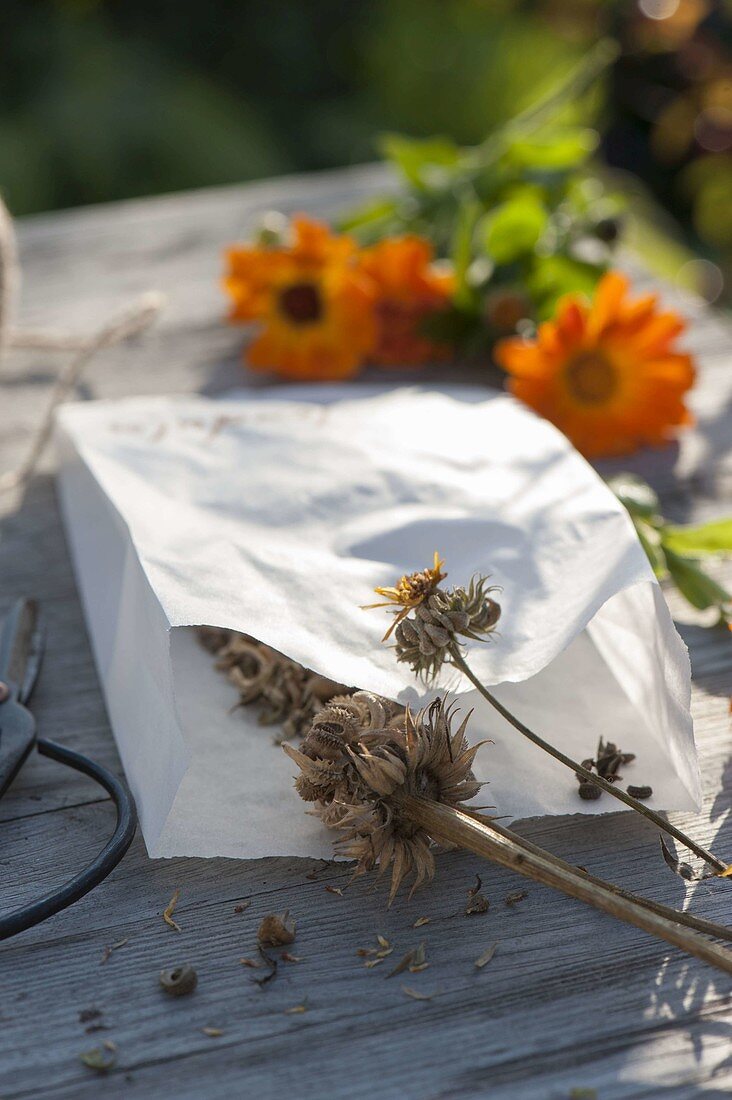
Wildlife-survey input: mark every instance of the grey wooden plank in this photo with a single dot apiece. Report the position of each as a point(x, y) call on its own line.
point(571, 999)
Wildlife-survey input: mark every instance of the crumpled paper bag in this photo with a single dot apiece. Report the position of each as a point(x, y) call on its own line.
point(277, 514)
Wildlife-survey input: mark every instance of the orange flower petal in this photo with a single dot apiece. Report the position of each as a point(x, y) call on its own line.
point(608, 377)
point(609, 296)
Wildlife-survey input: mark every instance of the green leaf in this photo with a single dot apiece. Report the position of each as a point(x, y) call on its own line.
point(555, 151)
point(515, 227)
point(709, 538)
point(694, 584)
point(635, 494)
point(369, 216)
point(650, 539)
point(462, 249)
point(554, 276)
point(421, 162)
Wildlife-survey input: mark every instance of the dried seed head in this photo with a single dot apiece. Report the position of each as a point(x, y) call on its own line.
point(424, 639)
point(410, 591)
point(360, 794)
point(289, 694)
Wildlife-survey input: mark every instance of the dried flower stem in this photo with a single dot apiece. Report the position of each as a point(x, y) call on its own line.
point(708, 927)
point(717, 864)
point(130, 322)
point(466, 831)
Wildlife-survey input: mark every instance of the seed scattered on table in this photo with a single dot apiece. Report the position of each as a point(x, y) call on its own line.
point(110, 948)
point(276, 930)
point(416, 995)
point(169, 910)
point(515, 897)
point(179, 981)
point(477, 902)
point(641, 793)
point(101, 1059)
point(486, 957)
point(413, 958)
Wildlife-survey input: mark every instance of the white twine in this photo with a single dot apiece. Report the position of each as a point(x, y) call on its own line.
point(134, 319)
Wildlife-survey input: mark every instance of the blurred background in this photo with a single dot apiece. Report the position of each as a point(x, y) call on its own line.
point(109, 99)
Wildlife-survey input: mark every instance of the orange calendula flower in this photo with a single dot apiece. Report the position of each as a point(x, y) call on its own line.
point(410, 591)
point(607, 374)
point(315, 307)
point(409, 288)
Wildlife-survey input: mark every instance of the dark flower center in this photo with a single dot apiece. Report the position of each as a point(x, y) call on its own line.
point(592, 380)
point(301, 303)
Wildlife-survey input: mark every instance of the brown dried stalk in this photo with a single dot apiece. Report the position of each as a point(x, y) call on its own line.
point(393, 786)
point(708, 927)
point(465, 831)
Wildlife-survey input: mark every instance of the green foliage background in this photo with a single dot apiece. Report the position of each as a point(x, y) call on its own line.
point(109, 99)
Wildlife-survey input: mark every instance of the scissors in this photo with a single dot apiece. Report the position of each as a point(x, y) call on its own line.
point(21, 652)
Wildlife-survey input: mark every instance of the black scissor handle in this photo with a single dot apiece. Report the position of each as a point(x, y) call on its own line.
point(99, 868)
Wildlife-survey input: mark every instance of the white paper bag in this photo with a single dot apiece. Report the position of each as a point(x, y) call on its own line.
point(277, 514)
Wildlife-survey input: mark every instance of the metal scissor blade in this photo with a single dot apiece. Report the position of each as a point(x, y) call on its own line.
point(21, 644)
point(17, 637)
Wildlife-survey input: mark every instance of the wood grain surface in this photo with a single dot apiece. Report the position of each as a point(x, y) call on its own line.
point(570, 1000)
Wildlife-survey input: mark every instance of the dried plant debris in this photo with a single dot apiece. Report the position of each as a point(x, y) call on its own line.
point(252, 963)
point(416, 995)
point(297, 1010)
point(683, 870)
point(414, 961)
point(641, 793)
point(515, 897)
point(607, 764)
point(169, 910)
point(335, 890)
point(212, 1032)
point(89, 1015)
point(288, 958)
point(269, 962)
point(477, 902)
point(110, 948)
point(375, 955)
point(101, 1059)
point(420, 921)
point(276, 930)
point(243, 906)
point(486, 957)
point(178, 981)
point(288, 695)
point(361, 756)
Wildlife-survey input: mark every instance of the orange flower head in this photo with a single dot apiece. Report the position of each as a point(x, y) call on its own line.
point(409, 288)
point(316, 309)
point(607, 374)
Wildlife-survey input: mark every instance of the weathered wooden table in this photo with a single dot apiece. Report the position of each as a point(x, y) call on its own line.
point(571, 1000)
